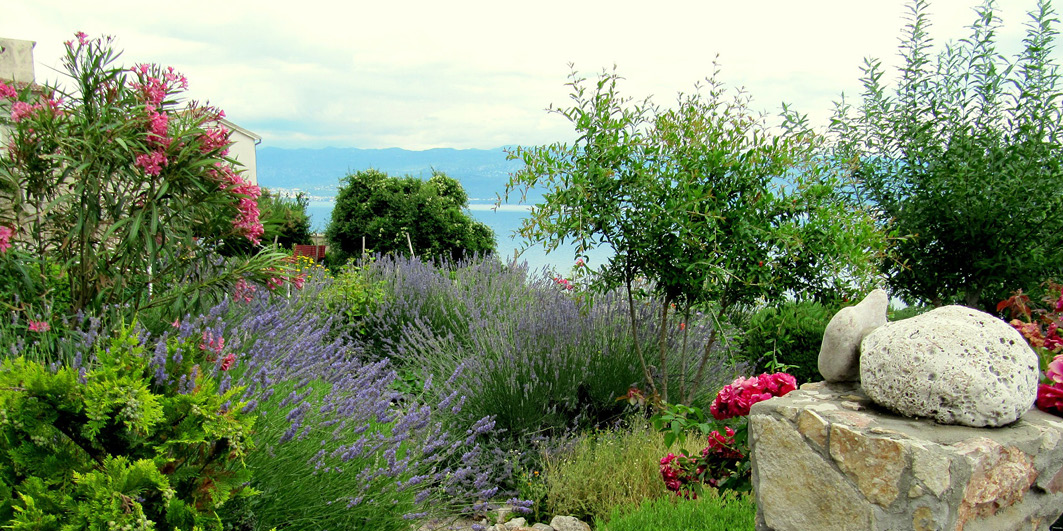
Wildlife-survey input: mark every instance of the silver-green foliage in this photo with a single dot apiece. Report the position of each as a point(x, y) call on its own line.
point(962, 159)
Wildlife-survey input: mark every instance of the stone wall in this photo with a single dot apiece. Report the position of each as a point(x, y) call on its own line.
point(824, 457)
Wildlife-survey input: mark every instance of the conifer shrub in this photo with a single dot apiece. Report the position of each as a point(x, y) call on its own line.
point(102, 442)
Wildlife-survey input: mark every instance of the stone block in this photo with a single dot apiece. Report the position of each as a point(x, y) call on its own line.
point(858, 466)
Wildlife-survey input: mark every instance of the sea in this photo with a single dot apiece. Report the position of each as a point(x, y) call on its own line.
point(504, 221)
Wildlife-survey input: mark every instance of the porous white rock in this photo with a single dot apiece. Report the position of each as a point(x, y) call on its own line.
point(953, 364)
point(568, 523)
point(839, 354)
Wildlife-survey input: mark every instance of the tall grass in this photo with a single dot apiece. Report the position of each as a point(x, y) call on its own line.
point(710, 512)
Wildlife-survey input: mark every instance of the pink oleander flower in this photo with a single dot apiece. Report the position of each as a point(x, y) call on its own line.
point(158, 128)
point(5, 238)
point(247, 219)
point(211, 343)
point(21, 109)
point(298, 281)
point(152, 163)
point(242, 291)
point(39, 326)
point(215, 138)
point(7, 91)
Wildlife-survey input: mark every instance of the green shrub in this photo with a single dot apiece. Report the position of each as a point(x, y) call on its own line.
point(710, 512)
point(603, 470)
point(897, 314)
point(351, 296)
point(107, 443)
point(792, 332)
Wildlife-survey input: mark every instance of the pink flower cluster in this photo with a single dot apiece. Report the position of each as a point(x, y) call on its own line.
point(211, 343)
point(1050, 395)
point(734, 400)
point(680, 472)
point(275, 282)
point(242, 291)
point(228, 361)
point(153, 83)
point(152, 163)
point(247, 218)
point(7, 91)
point(21, 109)
point(565, 283)
point(676, 477)
point(83, 39)
point(5, 238)
point(215, 139)
point(39, 326)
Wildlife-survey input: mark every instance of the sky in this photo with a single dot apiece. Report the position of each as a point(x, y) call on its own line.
point(418, 74)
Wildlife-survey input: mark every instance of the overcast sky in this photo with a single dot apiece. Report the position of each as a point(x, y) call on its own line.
point(422, 74)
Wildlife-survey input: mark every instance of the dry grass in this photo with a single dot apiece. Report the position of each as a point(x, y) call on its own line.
point(605, 469)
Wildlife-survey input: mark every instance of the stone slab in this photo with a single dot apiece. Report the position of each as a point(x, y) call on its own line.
point(826, 457)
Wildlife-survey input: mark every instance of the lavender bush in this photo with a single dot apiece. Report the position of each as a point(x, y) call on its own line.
point(519, 348)
point(338, 447)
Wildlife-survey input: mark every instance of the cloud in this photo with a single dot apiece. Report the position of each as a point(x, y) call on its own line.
point(420, 74)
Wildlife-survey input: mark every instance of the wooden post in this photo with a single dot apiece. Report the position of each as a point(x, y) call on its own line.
point(410, 243)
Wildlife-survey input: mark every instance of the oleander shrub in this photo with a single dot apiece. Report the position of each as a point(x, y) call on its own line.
point(789, 333)
point(711, 512)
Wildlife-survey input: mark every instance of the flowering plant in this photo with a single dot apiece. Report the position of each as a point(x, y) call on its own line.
point(123, 185)
point(1041, 328)
point(724, 463)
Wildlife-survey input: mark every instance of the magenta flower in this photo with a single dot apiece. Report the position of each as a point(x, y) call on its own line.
point(21, 109)
point(211, 343)
point(151, 162)
point(5, 238)
point(243, 291)
point(1050, 399)
point(39, 326)
point(227, 361)
point(734, 400)
point(7, 92)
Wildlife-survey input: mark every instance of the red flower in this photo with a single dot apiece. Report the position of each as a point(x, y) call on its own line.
point(1050, 399)
point(227, 361)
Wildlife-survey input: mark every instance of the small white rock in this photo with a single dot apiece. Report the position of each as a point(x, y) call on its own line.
point(839, 354)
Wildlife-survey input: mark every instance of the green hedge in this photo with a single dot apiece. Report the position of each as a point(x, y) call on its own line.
point(793, 332)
